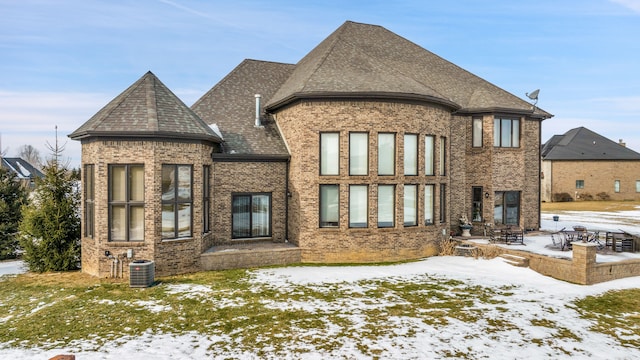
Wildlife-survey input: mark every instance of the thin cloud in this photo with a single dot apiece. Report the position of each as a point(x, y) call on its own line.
point(634, 5)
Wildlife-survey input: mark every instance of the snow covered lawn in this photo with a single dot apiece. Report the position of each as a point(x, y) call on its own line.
point(438, 307)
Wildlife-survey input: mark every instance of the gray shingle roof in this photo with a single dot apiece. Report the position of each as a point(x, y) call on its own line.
point(23, 169)
point(230, 105)
point(369, 60)
point(146, 109)
point(583, 144)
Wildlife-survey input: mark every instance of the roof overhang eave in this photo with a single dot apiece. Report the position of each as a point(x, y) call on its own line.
point(535, 113)
point(365, 95)
point(144, 135)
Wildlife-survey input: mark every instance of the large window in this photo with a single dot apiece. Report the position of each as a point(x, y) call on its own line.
point(506, 132)
point(126, 202)
point(358, 206)
point(358, 154)
point(429, 154)
point(206, 199)
point(251, 215)
point(428, 205)
point(411, 154)
point(386, 205)
point(410, 205)
point(442, 164)
point(89, 200)
point(329, 205)
point(506, 207)
point(329, 154)
point(477, 132)
point(579, 184)
point(386, 154)
point(177, 201)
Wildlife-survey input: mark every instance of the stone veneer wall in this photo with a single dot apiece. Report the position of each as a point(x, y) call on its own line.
point(301, 124)
point(598, 176)
point(494, 169)
point(170, 256)
point(248, 177)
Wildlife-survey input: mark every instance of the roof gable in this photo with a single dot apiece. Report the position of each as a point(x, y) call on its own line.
point(146, 109)
point(369, 59)
point(583, 144)
point(230, 106)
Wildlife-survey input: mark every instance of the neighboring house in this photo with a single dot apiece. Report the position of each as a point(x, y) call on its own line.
point(25, 172)
point(583, 165)
point(368, 149)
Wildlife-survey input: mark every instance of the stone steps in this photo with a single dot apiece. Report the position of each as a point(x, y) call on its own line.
point(515, 260)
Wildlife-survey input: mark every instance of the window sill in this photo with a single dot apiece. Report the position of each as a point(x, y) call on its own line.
point(126, 243)
point(185, 239)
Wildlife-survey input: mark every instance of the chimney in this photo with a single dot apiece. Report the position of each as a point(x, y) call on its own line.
point(258, 123)
point(622, 143)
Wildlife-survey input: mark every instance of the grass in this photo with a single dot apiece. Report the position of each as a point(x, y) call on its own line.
point(64, 309)
point(590, 206)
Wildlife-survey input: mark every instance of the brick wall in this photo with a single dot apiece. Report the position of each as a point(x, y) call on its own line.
point(494, 169)
point(170, 256)
point(598, 176)
point(301, 125)
point(248, 177)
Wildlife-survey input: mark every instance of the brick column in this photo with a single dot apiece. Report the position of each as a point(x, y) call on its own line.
point(584, 258)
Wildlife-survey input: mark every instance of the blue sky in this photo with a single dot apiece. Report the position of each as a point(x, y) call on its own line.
point(61, 61)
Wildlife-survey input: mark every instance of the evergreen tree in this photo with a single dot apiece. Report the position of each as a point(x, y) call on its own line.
point(12, 197)
point(50, 228)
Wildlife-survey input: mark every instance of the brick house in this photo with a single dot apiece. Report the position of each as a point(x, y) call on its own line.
point(584, 165)
point(25, 173)
point(368, 149)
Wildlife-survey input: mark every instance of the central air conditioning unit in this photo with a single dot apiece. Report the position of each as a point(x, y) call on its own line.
point(141, 273)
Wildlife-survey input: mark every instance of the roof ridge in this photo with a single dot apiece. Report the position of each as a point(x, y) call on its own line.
point(152, 105)
point(334, 40)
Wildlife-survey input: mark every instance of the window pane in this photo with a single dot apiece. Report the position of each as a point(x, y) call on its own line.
point(428, 204)
point(616, 186)
point(386, 205)
point(515, 133)
point(184, 183)
point(136, 183)
point(505, 128)
point(88, 182)
point(496, 132)
point(241, 216)
point(358, 153)
point(477, 132)
point(118, 183)
point(184, 220)
point(329, 205)
point(637, 185)
point(443, 156)
point(118, 223)
point(410, 205)
point(443, 203)
point(136, 223)
point(329, 154)
point(512, 205)
point(168, 221)
point(358, 205)
point(386, 154)
point(498, 209)
point(428, 155)
point(168, 183)
point(260, 215)
point(411, 154)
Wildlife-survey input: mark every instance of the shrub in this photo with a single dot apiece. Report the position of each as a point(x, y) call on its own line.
point(562, 197)
point(603, 196)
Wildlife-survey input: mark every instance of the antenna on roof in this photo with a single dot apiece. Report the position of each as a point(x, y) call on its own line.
point(534, 96)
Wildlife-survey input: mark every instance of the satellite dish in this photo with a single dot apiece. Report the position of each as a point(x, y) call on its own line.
point(533, 95)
